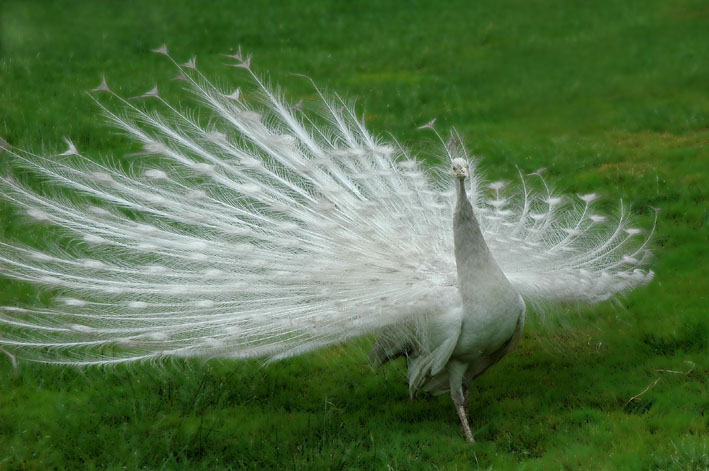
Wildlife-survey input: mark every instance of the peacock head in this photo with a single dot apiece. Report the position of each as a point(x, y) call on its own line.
point(460, 168)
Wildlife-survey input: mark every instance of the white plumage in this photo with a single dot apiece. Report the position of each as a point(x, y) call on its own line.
point(263, 234)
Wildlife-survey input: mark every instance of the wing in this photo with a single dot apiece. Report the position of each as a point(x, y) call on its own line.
point(260, 234)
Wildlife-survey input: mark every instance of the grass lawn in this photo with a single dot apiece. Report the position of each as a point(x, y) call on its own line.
point(610, 96)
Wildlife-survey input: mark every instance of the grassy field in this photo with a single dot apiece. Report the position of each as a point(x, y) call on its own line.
point(610, 96)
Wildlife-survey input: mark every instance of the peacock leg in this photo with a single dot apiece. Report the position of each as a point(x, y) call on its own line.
point(464, 425)
point(466, 393)
point(456, 373)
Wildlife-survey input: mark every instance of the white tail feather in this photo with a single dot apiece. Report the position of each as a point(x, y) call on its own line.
point(265, 235)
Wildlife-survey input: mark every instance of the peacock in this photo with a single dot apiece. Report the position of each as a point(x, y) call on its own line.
point(269, 231)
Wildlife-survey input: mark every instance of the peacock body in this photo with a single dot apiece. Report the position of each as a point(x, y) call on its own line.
point(263, 234)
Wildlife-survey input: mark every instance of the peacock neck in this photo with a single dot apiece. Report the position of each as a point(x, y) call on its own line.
point(474, 262)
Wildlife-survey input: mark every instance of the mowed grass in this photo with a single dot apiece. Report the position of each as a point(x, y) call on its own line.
point(609, 96)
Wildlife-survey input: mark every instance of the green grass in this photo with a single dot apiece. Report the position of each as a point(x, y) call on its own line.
point(610, 96)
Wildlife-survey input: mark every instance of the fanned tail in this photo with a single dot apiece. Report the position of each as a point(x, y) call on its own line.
point(259, 235)
point(264, 234)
